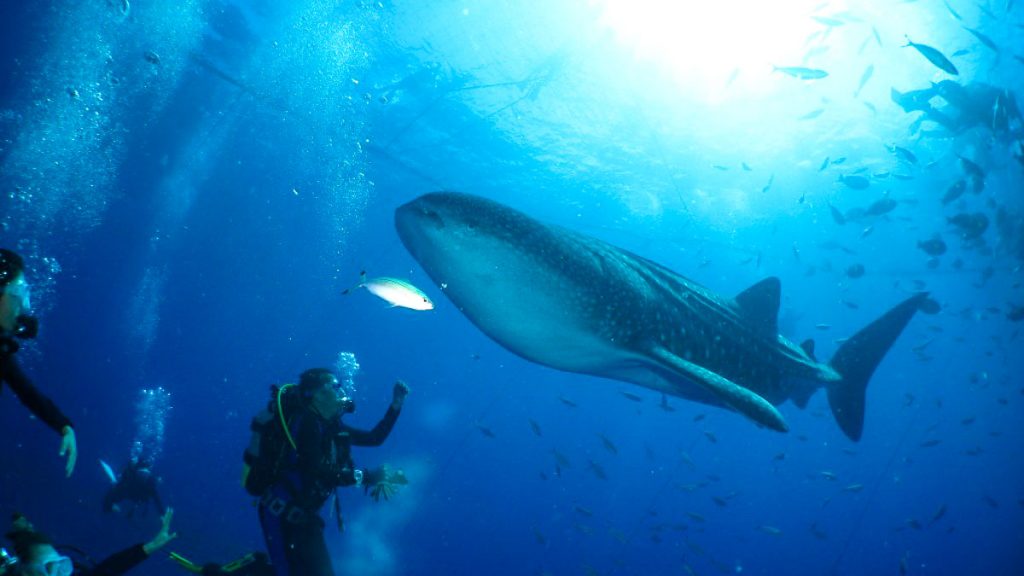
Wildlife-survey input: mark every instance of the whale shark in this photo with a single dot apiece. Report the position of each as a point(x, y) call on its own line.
point(575, 303)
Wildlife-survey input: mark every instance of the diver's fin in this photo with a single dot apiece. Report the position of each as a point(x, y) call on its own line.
point(759, 304)
point(736, 397)
point(186, 563)
point(857, 359)
point(242, 563)
point(108, 471)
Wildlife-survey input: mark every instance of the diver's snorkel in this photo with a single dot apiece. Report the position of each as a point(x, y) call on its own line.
point(20, 290)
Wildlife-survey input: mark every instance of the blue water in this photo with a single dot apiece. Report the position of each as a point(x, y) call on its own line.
point(190, 224)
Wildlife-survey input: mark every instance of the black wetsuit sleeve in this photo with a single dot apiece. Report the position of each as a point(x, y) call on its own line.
point(379, 433)
point(30, 396)
point(120, 562)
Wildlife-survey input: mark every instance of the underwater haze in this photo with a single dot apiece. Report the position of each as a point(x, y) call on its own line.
point(194, 184)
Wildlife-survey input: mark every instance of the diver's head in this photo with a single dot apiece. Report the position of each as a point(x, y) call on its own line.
point(142, 464)
point(14, 292)
point(43, 559)
point(37, 555)
point(19, 523)
point(325, 393)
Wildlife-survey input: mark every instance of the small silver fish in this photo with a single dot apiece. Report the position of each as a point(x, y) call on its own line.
point(988, 42)
point(812, 114)
point(827, 21)
point(933, 56)
point(868, 72)
point(394, 291)
point(801, 72)
point(854, 181)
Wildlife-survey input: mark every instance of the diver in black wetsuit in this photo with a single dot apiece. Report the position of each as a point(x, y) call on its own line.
point(14, 325)
point(317, 461)
point(137, 487)
point(37, 555)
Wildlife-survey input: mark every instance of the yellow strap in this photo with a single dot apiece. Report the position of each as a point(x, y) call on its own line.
point(280, 413)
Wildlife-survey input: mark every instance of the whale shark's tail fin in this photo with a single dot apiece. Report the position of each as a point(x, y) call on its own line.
point(857, 359)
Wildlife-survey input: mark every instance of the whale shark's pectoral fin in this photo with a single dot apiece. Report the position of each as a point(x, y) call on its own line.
point(733, 395)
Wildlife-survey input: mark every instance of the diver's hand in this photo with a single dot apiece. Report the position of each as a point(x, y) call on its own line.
point(70, 447)
point(376, 483)
point(398, 395)
point(383, 489)
point(163, 536)
point(383, 483)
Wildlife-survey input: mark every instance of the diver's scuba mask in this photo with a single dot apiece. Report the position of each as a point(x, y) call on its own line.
point(336, 396)
point(323, 388)
point(20, 291)
point(7, 561)
point(26, 326)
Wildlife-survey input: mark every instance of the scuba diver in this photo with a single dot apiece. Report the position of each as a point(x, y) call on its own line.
point(36, 555)
point(964, 107)
point(15, 325)
point(136, 486)
point(300, 453)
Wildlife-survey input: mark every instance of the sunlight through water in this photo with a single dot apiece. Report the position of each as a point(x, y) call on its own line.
point(711, 44)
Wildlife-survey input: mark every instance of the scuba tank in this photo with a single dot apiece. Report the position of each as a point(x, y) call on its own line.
point(268, 444)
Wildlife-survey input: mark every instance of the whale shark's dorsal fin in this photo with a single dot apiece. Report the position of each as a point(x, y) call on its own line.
point(759, 304)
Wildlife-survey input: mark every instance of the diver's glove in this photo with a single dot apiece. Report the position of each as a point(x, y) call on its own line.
point(383, 482)
point(69, 446)
point(163, 536)
point(398, 394)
